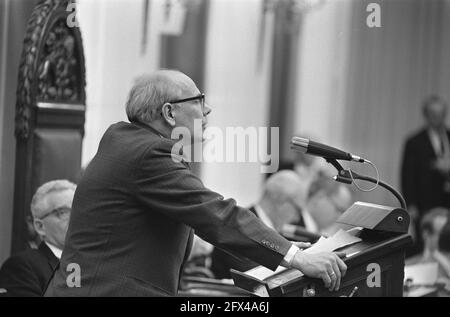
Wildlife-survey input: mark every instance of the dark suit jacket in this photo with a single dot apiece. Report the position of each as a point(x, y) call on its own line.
point(444, 237)
point(132, 219)
point(422, 185)
point(28, 273)
point(222, 262)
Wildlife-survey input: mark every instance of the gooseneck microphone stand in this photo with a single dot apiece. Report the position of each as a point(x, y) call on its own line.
point(347, 177)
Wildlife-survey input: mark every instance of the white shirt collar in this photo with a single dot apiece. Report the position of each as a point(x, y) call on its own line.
point(435, 138)
point(310, 223)
point(56, 251)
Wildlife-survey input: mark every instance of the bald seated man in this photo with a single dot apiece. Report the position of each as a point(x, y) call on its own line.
point(327, 201)
point(283, 199)
point(137, 205)
point(28, 273)
point(282, 202)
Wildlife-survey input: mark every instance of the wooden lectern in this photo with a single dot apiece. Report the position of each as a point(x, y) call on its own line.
point(375, 265)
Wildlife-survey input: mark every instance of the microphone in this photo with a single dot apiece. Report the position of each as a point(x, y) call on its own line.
point(314, 148)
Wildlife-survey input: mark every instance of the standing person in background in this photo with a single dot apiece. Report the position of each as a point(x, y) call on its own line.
point(425, 172)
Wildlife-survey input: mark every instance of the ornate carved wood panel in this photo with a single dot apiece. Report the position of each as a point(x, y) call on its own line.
point(50, 107)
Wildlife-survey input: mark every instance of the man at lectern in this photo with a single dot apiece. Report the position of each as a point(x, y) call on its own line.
point(136, 206)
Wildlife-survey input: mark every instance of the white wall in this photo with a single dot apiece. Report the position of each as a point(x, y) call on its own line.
point(236, 89)
point(322, 72)
point(112, 31)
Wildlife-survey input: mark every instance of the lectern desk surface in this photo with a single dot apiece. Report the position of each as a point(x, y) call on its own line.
point(375, 268)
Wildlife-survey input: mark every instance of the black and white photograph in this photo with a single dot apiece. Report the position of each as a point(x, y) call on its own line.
point(231, 149)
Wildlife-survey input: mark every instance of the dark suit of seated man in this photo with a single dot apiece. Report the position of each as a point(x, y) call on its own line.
point(28, 273)
point(137, 204)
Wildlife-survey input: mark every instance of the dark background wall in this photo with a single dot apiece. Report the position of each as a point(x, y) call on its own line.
point(13, 19)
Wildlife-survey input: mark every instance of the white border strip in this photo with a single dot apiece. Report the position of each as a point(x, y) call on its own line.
point(61, 106)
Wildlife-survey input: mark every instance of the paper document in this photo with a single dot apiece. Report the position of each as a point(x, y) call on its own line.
point(339, 240)
point(422, 273)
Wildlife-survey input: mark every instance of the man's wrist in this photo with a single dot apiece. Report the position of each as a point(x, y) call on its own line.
point(290, 255)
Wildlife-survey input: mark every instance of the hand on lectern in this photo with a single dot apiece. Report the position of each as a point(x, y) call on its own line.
point(327, 266)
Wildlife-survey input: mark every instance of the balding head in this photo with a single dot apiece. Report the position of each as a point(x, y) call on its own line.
point(170, 102)
point(150, 92)
point(284, 185)
point(284, 196)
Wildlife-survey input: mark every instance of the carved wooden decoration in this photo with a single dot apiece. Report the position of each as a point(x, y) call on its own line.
point(50, 106)
point(52, 63)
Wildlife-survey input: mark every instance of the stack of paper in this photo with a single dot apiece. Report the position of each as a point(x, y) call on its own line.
point(422, 273)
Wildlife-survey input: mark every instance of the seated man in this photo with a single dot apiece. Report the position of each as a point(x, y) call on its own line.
point(27, 273)
point(282, 203)
point(326, 202)
point(431, 227)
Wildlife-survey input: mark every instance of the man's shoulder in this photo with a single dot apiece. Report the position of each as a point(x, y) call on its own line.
point(417, 137)
point(137, 134)
point(27, 258)
point(126, 130)
point(25, 273)
point(137, 145)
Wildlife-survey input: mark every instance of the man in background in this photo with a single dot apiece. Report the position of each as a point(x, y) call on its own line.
point(327, 201)
point(426, 164)
point(282, 202)
point(27, 273)
point(432, 227)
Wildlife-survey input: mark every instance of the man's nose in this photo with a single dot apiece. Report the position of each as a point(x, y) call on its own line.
point(207, 110)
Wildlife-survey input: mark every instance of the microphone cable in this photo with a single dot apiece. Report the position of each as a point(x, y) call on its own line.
point(366, 178)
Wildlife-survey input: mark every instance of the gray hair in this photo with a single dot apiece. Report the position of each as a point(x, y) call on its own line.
point(37, 206)
point(150, 92)
point(285, 185)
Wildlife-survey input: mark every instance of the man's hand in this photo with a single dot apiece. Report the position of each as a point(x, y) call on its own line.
point(327, 266)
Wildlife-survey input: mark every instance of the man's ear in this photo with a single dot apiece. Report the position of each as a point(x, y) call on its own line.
point(168, 114)
point(39, 227)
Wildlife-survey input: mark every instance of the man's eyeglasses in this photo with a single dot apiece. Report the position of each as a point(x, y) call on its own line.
point(60, 213)
point(200, 97)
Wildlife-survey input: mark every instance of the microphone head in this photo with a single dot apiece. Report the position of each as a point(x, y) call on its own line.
point(299, 144)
